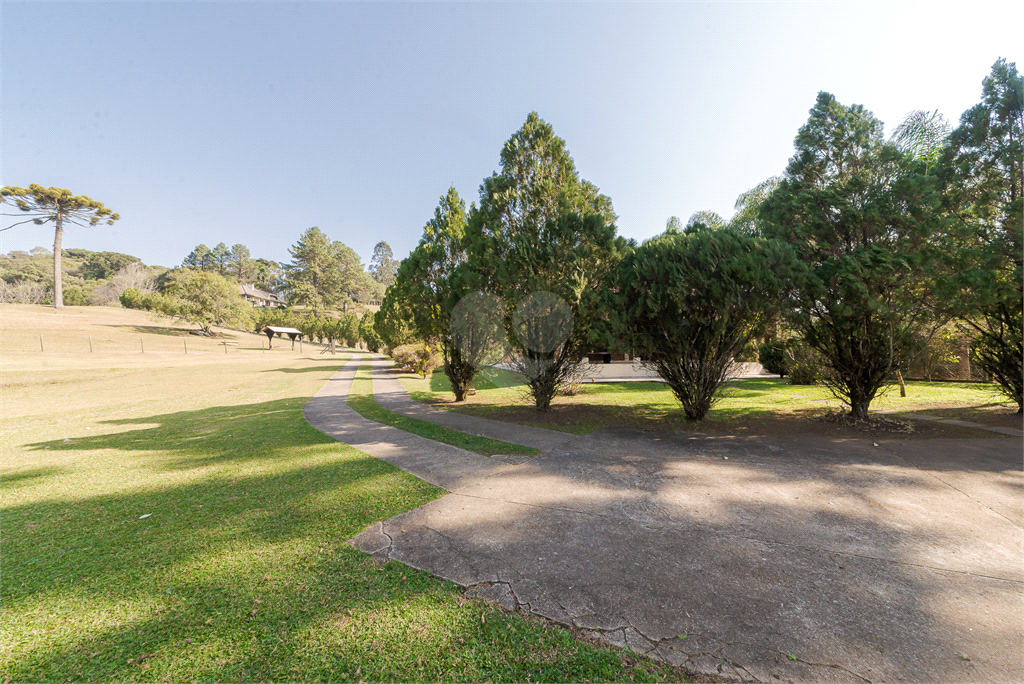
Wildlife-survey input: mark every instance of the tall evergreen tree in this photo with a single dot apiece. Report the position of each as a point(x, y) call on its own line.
point(198, 259)
point(323, 273)
point(312, 277)
point(983, 170)
point(539, 228)
point(865, 219)
point(431, 286)
point(383, 266)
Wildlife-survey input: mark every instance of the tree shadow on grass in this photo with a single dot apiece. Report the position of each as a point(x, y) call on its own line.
point(18, 478)
point(246, 433)
point(235, 577)
point(307, 369)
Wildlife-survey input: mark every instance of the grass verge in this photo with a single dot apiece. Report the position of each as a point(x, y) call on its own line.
point(751, 406)
point(177, 519)
point(361, 400)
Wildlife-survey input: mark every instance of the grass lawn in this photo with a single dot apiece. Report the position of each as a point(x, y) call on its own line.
point(751, 406)
point(360, 398)
point(173, 517)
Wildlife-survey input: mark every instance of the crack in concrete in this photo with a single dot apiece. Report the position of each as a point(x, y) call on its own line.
point(624, 634)
point(952, 486)
point(391, 544)
point(719, 652)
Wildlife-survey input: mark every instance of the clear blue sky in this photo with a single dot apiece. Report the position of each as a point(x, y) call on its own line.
point(252, 121)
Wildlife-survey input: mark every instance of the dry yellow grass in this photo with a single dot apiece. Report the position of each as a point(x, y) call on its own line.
point(112, 330)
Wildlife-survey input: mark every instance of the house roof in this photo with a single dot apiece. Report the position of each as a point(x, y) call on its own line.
point(251, 291)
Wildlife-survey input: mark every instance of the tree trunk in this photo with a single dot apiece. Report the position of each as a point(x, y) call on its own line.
point(58, 286)
point(899, 379)
point(859, 410)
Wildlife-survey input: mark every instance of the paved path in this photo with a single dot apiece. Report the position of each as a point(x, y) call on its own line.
point(390, 394)
point(760, 559)
point(440, 464)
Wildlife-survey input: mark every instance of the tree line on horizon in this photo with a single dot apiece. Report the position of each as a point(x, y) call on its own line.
point(849, 262)
point(204, 289)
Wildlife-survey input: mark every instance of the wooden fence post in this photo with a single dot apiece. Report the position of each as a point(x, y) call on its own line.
point(143, 343)
point(90, 344)
point(41, 343)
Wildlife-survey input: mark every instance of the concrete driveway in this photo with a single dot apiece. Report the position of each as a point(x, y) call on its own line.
point(759, 559)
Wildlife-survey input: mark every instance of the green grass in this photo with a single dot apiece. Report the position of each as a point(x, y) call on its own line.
point(755, 404)
point(360, 398)
point(241, 570)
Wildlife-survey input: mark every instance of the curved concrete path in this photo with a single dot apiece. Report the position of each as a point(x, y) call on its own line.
point(440, 464)
point(757, 559)
point(389, 393)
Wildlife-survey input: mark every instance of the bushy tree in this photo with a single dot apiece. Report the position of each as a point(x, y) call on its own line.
point(383, 266)
point(393, 322)
point(984, 178)
point(207, 299)
point(57, 206)
point(430, 288)
point(367, 332)
point(865, 219)
point(540, 229)
point(199, 259)
point(268, 275)
point(350, 330)
point(322, 273)
point(687, 303)
point(101, 265)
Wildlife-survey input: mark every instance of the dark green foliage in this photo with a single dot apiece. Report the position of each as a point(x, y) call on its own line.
point(368, 334)
point(772, 357)
point(539, 228)
point(393, 323)
point(983, 169)
point(430, 286)
point(100, 265)
point(383, 266)
point(865, 218)
point(686, 303)
point(323, 273)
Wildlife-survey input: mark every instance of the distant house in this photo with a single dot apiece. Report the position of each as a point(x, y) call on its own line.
point(260, 298)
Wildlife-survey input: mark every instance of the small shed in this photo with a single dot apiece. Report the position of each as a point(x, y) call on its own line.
point(271, 330)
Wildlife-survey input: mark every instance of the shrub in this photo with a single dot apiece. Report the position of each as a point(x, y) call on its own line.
point(805, 364)
point(74, 296)
point(772, 356)
point(24, 292)
point(130, 299)
point(420, 358)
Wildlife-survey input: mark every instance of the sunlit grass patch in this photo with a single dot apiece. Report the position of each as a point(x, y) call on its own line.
point(177, 519)
point(360, 398)
point(752, 404)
